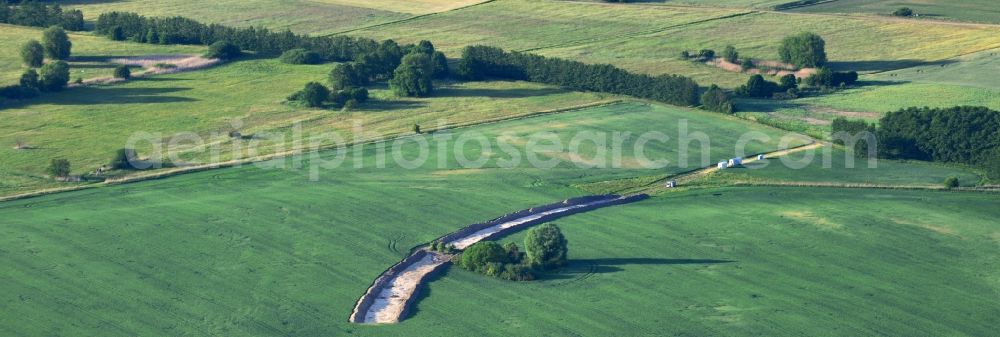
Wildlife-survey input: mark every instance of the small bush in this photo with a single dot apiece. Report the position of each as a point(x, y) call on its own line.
point(223, 50)
point(313, 95)
point(706, 54)
point(747, 64)
point(730, 54)
point(59, 168)
point(123, 72)
point(904, 11)
point(165, 65)
point(123, 159)
point(301, 56)
point(685, 55)
point(951, 182)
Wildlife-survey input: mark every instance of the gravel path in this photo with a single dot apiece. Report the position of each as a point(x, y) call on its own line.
point(389, 304)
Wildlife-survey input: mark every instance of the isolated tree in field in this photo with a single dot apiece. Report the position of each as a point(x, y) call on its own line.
point(123, 159)
point(56, 43)
point(805, 50)
point(730, 54)
point(347, 75)
point(54, 76)
point(122, 71)
point(59, 168)
point(440, 62)
point(414, 76)
point(716, 99)
point(32, 54)
point(223, 50)
point(545, 247)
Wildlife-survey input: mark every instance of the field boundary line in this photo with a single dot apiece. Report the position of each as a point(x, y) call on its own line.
point(159, 174)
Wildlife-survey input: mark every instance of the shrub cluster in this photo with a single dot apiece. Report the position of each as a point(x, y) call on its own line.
point(718, 100)
point(317, 95)
point(831, 79)
point(301, 56)
point(479, 62)
point(37, 14)
point(758, 87)
point(51, 77)
point(545, 249)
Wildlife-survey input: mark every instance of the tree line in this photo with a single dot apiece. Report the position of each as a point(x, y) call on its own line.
point(961, 134)
point(181, 30)
point(37, 14)
point(480, 62)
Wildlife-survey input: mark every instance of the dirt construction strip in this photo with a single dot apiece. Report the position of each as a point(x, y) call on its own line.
point(389, 297)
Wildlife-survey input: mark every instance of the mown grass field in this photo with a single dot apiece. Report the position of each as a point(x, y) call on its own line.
point(261, 250)
point(781, 262)
point(985, 11)
point(89, 52)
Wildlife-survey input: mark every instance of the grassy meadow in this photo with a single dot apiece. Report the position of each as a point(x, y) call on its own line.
point(90, 53)
point(245, 96)
point(982, 11)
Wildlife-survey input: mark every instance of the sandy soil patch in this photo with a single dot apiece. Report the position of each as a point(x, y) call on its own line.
point(813, 219)
point(934, 228)
point(389, 304)
point(773, 68)
point(155, 65)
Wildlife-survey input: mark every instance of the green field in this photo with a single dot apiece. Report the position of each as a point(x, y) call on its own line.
point(255, 251)
point(885, 172)
point(89, 52)
point(802, 261)
point(75, 124)
point(985, 11)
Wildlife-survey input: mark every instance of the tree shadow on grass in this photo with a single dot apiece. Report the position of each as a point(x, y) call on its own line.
point(115, 95)
point(393, 104)
point(583, 268)
point(882, 65)
point(495, 93)
point(104, 95)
